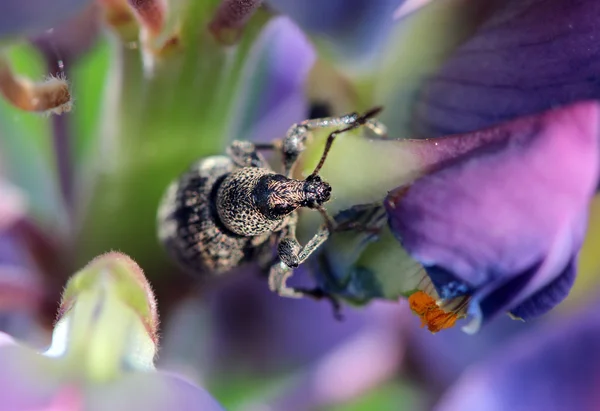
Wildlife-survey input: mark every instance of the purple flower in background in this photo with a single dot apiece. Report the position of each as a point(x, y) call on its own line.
point(495, 216)
point(443, 357)
point(552, 368)
point(525, 58)
point(502, 225)
point(32, 17)
point(254, 329)
point(491, 220)
point(350, 30)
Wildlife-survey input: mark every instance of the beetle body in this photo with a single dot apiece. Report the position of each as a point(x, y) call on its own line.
point(228, 210)
point(219, 215)
point(191, 228)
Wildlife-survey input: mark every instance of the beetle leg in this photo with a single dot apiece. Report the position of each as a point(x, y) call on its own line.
point(366, 217)
point(289, 249)
point(288, 246)
point(293, 144)
point(245, 154)
point(278, 277)
point(290, 252)
point(319, 238)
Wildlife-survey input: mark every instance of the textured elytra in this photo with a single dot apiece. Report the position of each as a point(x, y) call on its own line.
point(236, 206)
point(189, 225)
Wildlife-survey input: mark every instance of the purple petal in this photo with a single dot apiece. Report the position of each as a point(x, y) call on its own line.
point(71, 38)
point(6, 339)
point(351, 28)
point(546, 298)
point(271, 97)
point(507, 218)
point(377, 350)
point(553, 369)
point(162, 392)
point(258, 330)
point(422, 42)
point(529, 56)
point(441, 358)
point(29, 381)
point(19, 18)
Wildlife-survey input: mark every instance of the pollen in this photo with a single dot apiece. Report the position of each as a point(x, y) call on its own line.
point(433, 316)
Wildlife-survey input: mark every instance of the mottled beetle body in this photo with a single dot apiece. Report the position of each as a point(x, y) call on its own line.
point(228, 210)
point(190, 227)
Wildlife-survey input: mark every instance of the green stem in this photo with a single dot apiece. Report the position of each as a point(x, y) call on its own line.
point(165, 122)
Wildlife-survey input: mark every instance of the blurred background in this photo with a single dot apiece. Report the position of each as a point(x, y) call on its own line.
point(154, 89)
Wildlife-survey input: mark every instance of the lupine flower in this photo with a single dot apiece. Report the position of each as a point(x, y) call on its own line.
point(185, 78)
point(452, 202)
point(554, 368)
point(103, 348)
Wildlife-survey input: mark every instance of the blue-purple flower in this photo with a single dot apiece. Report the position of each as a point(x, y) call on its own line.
point(19, 18)
point(496, 216)
point(504, 223)
point(528, 192)
point(554, 368)
point(484, 177)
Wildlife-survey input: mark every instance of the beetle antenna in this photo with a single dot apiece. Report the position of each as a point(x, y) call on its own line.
point(355, 124)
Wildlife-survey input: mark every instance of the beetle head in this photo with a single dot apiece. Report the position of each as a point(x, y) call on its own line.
point(316, 192)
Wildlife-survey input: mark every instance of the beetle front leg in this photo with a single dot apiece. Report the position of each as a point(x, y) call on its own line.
point(294, 142)
point(291, 255)
point(288, 250)
point(278, 277)
point(319, 238)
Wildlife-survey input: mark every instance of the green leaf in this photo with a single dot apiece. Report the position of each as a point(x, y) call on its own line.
point(89, 89)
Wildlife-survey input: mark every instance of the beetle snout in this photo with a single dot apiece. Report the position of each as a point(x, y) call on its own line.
point(316, 191)
point(325, 193)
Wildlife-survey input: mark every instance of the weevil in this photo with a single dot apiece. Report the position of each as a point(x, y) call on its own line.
point(230, 209)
